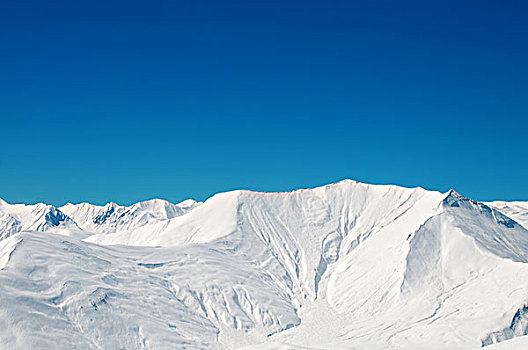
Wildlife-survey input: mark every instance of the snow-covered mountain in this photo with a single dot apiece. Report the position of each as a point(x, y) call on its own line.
point(38, 217)
point(348, 265)
point(113, 217)
point(518, 211)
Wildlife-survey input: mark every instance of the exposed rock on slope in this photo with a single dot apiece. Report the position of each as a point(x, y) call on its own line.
point(113, 217)
point(518, 211)
point(37, 217)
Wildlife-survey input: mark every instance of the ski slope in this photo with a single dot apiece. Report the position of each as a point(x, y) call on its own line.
point(347, 265)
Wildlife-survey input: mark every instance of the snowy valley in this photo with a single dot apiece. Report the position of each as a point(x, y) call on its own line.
point(347, 265)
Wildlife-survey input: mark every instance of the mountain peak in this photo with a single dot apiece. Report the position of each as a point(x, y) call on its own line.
point(454, 199)
point(188, 203)
point(454, 193)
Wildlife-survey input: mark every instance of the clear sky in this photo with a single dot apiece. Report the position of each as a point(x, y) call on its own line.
point(130, 100)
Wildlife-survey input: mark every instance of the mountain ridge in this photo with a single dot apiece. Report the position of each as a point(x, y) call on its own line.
point(385, 266)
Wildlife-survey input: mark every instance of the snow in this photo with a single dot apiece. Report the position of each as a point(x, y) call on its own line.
point(347, 265)
point(518, 211)
point(514, 344)
point(203, 223)
point(38, 217)
point(113, 217)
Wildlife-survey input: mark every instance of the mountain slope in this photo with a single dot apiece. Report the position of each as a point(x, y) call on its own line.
point(38, 217)
point(345, 265)
point(59, 292)
point(518, 211)
point(113, 217)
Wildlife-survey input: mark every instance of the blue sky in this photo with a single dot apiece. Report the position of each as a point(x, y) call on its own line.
point(129, 100)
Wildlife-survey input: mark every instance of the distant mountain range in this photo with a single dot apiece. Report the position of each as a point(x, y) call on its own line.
point(347, 265)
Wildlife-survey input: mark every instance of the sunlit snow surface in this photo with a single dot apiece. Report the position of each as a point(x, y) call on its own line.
point(347, 265)
point(518, 211)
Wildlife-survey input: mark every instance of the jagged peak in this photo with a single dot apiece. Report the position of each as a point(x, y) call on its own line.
point(454, 199)
point(453, 192)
